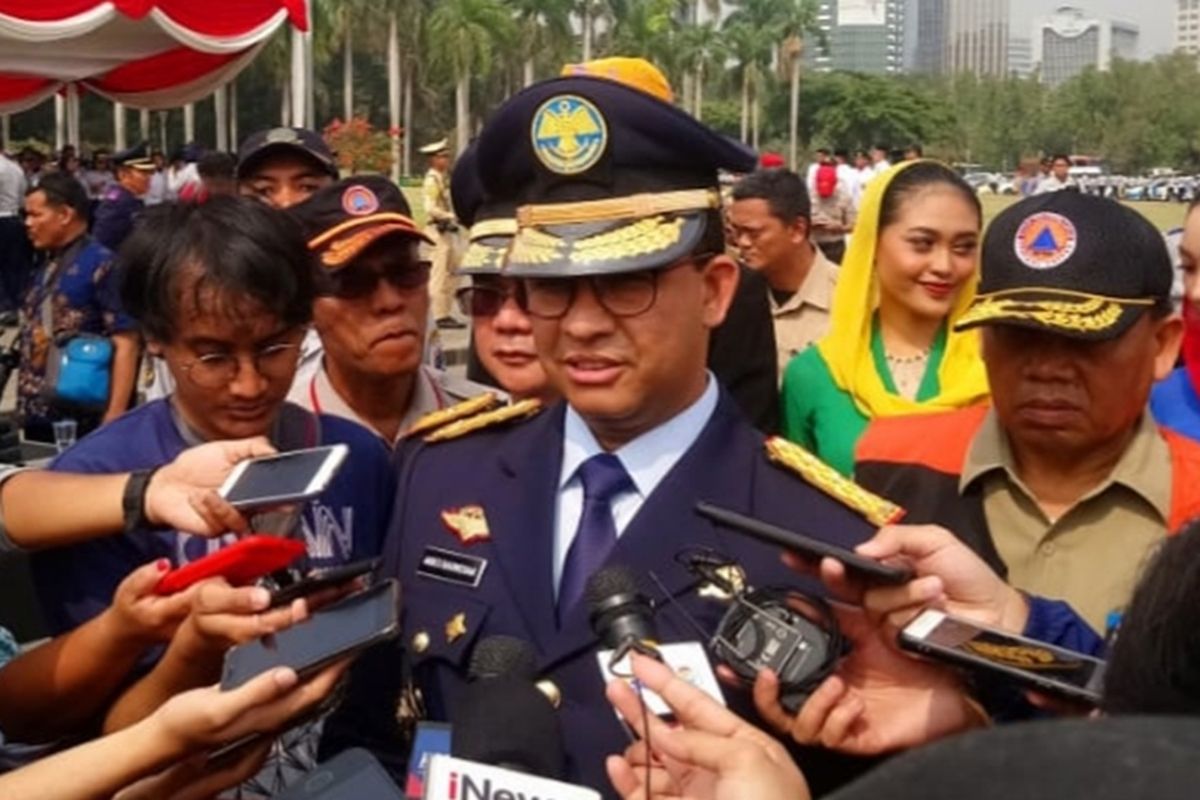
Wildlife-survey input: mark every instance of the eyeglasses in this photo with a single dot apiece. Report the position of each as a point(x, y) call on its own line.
point(485, 299)
point(625, 294)
point(357, 281)
point(218, 370)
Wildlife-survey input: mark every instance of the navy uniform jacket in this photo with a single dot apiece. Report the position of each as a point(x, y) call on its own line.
point(114, 216)
point(513, 475)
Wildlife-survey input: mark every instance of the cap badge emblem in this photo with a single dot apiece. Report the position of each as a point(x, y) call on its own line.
point(569, 134)
point(1045, 240)
point(282, 136)
point(358, 201)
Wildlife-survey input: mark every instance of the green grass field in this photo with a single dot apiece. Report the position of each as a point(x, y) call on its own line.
point(1163, 216)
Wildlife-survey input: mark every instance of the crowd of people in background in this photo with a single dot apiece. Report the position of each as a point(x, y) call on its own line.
point(656, 316)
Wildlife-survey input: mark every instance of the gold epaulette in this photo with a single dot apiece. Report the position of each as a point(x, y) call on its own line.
point(444, 416)
point(488, 419)
point(789, 455)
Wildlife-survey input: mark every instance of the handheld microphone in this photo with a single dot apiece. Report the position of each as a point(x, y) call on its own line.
point(620, 614)
point(502, 718)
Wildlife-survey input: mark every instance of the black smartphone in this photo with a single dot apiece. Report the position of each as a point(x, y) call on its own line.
point(346, 627)
point(353, 774)
point(318, 579)
point(805, 546)
point(1036, 665)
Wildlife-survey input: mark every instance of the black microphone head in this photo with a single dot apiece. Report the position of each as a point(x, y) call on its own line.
point(507, 722)
point(617, 610)
point(498, 656)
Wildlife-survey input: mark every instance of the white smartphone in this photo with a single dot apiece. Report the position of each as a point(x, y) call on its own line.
point(1036, 665)
point(283, 478)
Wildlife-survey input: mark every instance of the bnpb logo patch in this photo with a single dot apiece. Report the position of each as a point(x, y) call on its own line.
point(1045, 240)
point(569, 134)
point(358, 201)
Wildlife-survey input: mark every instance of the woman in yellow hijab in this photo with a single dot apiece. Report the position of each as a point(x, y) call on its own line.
point(909, 273)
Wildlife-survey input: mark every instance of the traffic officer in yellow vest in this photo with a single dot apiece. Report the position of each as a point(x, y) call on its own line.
point(442, 229)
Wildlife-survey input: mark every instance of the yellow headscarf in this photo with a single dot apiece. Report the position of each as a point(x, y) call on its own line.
point(847, 347)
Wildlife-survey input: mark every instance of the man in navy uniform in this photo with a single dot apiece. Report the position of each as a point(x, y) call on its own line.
point(122, 201)
point(620, 255)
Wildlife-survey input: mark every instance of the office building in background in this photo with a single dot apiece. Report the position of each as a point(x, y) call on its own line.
point(1070, 40)
point(1187, 27)
point(861, 35)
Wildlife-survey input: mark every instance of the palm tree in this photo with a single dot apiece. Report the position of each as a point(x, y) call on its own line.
point(797, 20)
point(647, 28)
point(542, 27)
point(701, 47)
point(751, 30)
point(466, 36)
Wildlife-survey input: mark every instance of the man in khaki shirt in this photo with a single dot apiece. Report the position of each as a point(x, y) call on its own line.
point(770, 221)
point(1065, 484)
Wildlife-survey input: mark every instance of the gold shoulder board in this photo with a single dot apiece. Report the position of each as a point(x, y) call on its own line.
point(791, 456)
point(488, 419)
point(444, 416)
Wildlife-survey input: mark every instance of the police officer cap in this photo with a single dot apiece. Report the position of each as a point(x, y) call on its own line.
point(491, 219)
point(610, 178)
point(136, 157)
point(1073, 264)
point(258, 146)
point(344, 219)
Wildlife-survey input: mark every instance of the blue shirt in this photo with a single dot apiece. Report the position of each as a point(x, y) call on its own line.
point(1174, 404)
point(78, 285)
point(647, 459)
point(345, 523)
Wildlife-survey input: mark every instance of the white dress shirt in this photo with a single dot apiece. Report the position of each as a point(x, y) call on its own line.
point(12, 187)
point(647, 459)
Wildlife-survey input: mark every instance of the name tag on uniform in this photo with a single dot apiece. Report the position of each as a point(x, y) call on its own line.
point(451, 567)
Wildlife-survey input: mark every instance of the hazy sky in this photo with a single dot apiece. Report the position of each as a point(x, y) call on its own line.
point(1155, 18)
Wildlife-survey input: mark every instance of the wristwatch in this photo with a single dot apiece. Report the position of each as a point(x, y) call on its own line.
point(133, 501)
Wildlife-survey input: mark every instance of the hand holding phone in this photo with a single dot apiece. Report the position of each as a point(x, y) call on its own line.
point(242, 562)
point(345, 628)
point(808, 548)
point(318, 580)
point(1027, 662)
point(284, 478)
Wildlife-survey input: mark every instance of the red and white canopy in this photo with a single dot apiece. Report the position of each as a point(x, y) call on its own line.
point(143, 53)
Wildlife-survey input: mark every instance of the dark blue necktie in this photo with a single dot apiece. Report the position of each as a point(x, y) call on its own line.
point(603, 478)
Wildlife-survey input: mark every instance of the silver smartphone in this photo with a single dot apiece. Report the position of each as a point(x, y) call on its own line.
point(283, 478)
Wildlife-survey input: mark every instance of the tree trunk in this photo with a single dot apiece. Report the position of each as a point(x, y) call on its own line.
point(699, 101)
point(348, 75)
point(587, 30)
point(5, 131)
point(408, 117)
point(310, 84)
point(393, 90)
point(462, 113)
point(745, 102)
point(527, 73)
point(285, 103)
point(754, 109)
point(794, 114)
point(118, 126)
point(685, 92)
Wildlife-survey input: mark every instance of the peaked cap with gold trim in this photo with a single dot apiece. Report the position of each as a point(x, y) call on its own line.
point(490, 218)
point(344, 219)
point(609, 177)
point(1072, 264)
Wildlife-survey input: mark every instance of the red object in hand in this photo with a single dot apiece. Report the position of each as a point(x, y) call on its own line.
point(243, 562)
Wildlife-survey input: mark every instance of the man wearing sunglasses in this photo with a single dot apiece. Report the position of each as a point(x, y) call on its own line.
point(618, 252)
point(371, 310)
point(502, 351)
